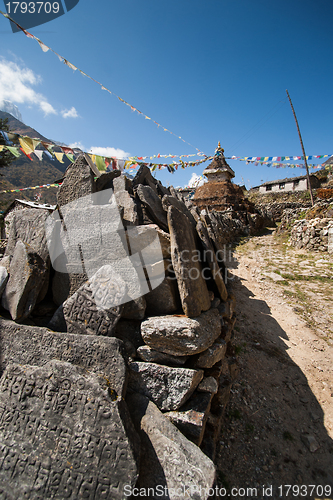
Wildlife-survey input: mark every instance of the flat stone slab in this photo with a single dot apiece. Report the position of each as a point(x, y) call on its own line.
point(28, 225)
point(63, 436)
point(192, 418)
point(185, 260)
point(172, 464)
point(153, 204)
point(36, 346)
point(167, 387)
point(181, 336)
point(27, 275)
point(94, 308)
point(3, 278)
point(148, 354)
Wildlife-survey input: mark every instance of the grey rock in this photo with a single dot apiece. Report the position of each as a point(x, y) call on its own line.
point(129, 330)
point(181, 336)
point(310, 442)
point(33, 345)
point(153, 204)
point(184, 255)
point(66, 284)
point(29, 226)
point(166, 386)
point(168, 201)
point(143, 176)
point(210, 258)
point(106, 180)
point(208, 384)
point(191, 419)
point(128, 206)
point(135, 309)
point(3, 279)
point(144, 236)
point(164, 299)
point(149, 355)
point(5, 262)
point(66, 438)
point(27, 277)
point(212, 355)
point(170, 460)
point(78, 182)
point(94, 309)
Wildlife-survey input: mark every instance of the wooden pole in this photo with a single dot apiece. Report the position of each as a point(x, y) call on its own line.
point(300, 138)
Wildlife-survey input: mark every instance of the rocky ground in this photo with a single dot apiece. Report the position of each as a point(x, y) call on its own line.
point(278, 428)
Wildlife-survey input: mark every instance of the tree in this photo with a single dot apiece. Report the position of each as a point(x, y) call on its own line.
point(6, 156)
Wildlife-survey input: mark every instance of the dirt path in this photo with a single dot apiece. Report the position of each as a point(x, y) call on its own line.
point(279, 425)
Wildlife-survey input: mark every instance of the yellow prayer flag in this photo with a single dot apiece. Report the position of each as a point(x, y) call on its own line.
point(59, 156)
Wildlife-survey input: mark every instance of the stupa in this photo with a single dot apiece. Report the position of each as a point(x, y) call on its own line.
point(219, 193)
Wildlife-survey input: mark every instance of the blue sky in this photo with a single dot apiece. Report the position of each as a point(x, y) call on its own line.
point(209, 71)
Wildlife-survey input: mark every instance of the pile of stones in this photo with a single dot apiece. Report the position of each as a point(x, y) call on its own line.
point(315, 234)
point(116, 367)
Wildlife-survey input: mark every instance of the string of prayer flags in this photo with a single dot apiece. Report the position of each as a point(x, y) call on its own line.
point(28, 188)
point(45, 48)
point(275, 158)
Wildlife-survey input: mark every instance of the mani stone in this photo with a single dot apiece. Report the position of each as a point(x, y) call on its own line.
point(29, 226)
point(62, 435)
point(3, 278)
point(168, 200)
point(181, 336)
point(211, 259)
point(172, 464)
point(191, 419)
point(78, 182)
point(167, 387)
point(184, 255)
point(153, 205)
point(144, 236)
point(36, 346)
point(26, 279)
point(95, 308)
point(151, 356)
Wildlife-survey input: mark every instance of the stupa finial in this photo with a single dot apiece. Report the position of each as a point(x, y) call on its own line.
point(219, 151)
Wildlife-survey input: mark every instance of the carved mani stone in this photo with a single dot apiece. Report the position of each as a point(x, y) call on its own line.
point(63, 436)
point(95, 308)
point(174, 467)
point(36, 346)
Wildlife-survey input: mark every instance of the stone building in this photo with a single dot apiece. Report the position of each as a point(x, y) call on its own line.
point(219, 193)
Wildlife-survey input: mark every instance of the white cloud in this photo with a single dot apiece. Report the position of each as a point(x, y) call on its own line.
point(196, 181)
point(70, 113)
point(77, 145)
point(109, 152)
point(16, 85)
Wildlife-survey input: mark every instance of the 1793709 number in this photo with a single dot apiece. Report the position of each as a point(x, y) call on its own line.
point(33, 7)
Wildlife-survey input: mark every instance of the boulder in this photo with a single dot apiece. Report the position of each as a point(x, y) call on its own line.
point(149, 355)
point(212, 355)
point(65, 436)
point(168, 201)
point(27, 276)
point(167, 387)
point(122, 188)
point(106, 180)
point(181, 336)
point(172, 464)
point(184, 255)
point(36, 346)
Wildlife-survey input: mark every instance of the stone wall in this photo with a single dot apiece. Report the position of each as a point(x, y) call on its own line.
point(110, 381)
point(314, 235)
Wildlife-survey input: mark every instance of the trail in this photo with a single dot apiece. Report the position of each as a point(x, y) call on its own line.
point(279, 424)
